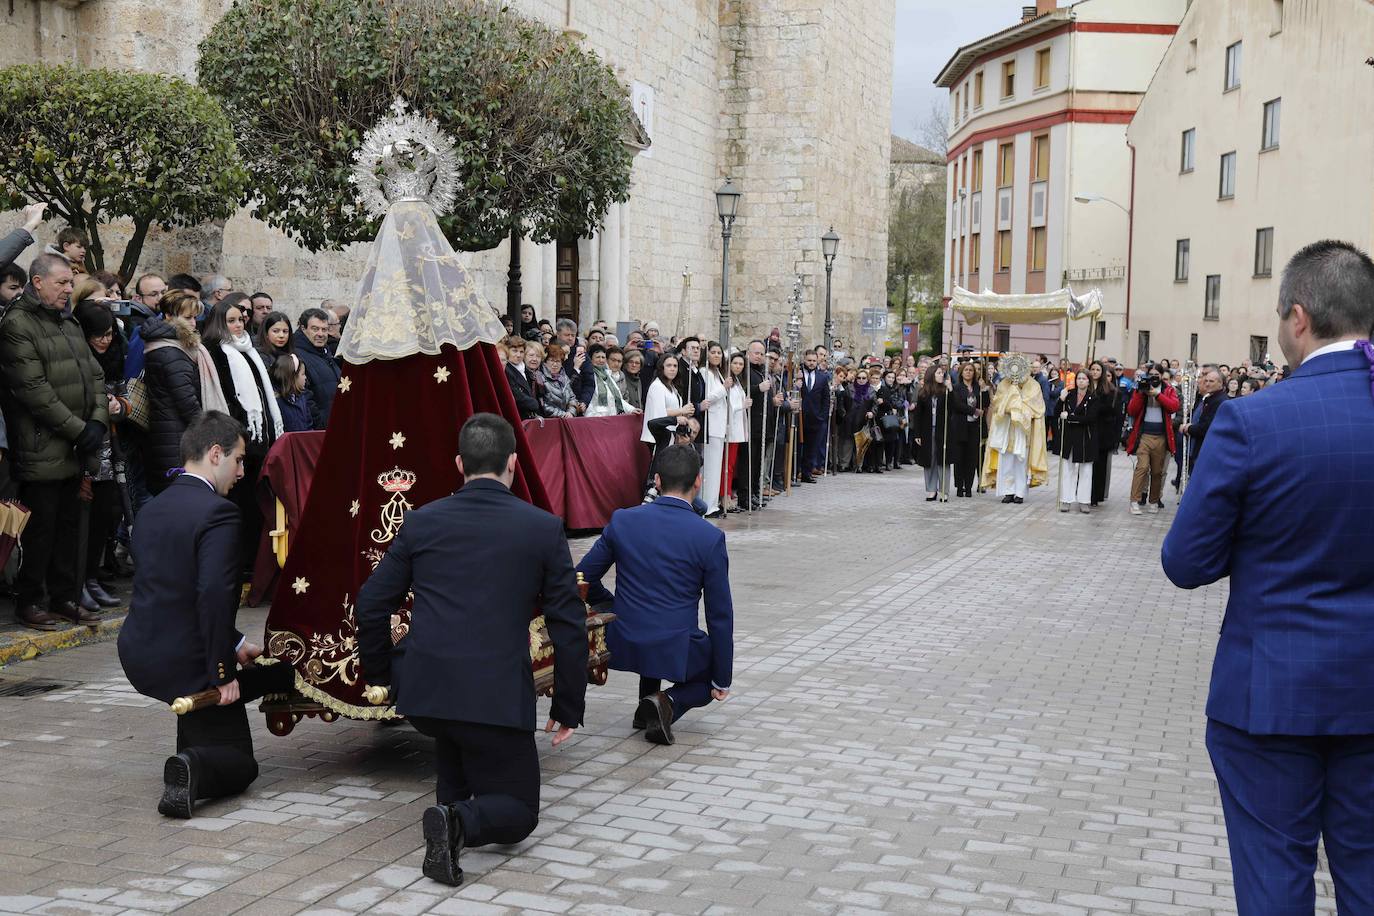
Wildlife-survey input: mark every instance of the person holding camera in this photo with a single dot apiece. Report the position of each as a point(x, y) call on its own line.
point(1152, 437)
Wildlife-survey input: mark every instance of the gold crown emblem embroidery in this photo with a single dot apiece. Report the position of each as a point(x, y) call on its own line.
point(396, 480)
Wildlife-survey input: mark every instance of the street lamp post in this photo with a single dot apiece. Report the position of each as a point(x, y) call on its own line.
point(1090, 198)
point(830, 245)
point(727, 206)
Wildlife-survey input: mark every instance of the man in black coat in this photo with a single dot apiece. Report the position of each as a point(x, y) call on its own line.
point(322, 371)
point(517, 376)
point(1213, 390)
point(179, 637)
point(815, 404)
point(479, 563)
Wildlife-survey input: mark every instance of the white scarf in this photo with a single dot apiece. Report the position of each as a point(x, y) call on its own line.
point(243, 361)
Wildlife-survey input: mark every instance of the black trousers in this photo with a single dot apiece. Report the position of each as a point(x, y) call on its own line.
point(1102, 468)
point(749, 468)
point(244, 495)
point(50, 557)
point(107, 508)
point(690, 694)
point(489, 774)
point(964, 457)
point(218, 739)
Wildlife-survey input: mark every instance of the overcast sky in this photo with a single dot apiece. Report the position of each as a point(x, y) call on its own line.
point(928, 34)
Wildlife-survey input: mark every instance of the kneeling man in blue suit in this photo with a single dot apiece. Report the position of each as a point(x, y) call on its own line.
point(1290, 715)
point(667, 558)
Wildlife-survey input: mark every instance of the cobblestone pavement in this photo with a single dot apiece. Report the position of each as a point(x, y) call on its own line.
point(966, 708)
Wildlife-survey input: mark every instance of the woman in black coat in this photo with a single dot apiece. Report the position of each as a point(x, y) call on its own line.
point(1080, 409)
point(1110, 411)
point(172, 382)
point(932, 431)
point(966, 406)
point(890, 411)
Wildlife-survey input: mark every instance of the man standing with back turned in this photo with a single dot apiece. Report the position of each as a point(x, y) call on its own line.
point(667, 558)
point(1290, 714)
point(479, 562)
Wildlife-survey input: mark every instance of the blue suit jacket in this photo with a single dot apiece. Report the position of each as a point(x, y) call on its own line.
point(1282, 501)
point(666, 558)
point(816, 399)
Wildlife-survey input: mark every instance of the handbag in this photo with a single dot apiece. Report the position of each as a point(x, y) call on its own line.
point(890, 421)
point(140, 406)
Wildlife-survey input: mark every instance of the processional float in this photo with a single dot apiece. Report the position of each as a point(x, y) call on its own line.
point(1063, 305)
point(419, 361)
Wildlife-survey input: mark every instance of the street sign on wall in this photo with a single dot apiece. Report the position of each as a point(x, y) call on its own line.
point(874, 320)
point(911, 337)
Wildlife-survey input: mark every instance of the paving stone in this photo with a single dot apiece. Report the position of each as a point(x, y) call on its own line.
point(936, 710)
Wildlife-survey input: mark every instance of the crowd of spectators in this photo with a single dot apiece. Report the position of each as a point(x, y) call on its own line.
point(102, 375)
point(101, 380)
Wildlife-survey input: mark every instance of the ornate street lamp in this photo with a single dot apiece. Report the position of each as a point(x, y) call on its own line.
point(727, 206)
point(830, 245)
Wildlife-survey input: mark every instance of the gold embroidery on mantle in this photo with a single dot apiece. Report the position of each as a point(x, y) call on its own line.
point(396, 482)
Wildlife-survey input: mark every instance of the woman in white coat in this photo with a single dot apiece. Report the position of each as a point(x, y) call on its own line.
point(740, 402)
point(663, 412)
point(717, 407)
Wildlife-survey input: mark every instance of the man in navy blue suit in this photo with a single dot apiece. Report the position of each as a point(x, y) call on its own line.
point(179, 637)
point(667, 558)
point(814, 383)
point(478, 564)
point(1291, 709)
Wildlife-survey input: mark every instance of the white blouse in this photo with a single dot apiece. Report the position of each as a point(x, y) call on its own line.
point(657, 402)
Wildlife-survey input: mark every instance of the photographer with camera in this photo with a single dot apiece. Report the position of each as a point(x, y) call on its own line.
point(1151, 408)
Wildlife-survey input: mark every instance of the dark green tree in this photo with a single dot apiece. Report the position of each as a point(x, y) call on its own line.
point(915, 255)
point(536, 118)
point(102, 145)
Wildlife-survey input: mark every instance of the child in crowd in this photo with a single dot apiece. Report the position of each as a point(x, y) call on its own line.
point(293, 399)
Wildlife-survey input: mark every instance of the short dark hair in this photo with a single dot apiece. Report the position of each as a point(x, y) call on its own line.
point(593, 349)
point(71, 235)
point(214, 427)
point(46, 263)
point(13, 271)
point(1334, 282)
point(485, 444)
point(686, 340)
point(317, 314)
point(677, 467)
point(184, 281)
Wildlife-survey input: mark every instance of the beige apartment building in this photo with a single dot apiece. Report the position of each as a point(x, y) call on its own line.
point(1255, 138)
point(1038, 115)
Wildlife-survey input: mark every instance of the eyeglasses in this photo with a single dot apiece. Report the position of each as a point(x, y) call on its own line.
point(108, 335)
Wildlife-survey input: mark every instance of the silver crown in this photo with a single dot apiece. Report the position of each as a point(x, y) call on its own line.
point(405, 157)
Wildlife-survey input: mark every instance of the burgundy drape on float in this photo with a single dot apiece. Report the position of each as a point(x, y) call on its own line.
point(392, 437)
point(589, 468)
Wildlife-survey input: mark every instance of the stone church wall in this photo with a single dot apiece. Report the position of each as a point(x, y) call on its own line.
point(790, 97)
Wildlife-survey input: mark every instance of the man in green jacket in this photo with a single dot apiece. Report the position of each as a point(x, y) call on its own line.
point(55, 404)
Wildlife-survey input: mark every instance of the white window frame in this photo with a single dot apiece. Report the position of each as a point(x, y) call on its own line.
point(1183, 255)
point(1270, 124)
point(1233, 61)
point(1227, 189)
point(1188, 151)
point(1211, 298)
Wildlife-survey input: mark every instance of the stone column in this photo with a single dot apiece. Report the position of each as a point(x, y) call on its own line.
point(589, 279)
point(547, 305)
point(611, 281)
point(531, 273)
point(623, 311)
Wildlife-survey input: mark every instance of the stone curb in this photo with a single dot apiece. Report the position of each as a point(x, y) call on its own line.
point(24, 645)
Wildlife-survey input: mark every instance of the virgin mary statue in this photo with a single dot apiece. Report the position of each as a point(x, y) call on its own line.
point(418, 362)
